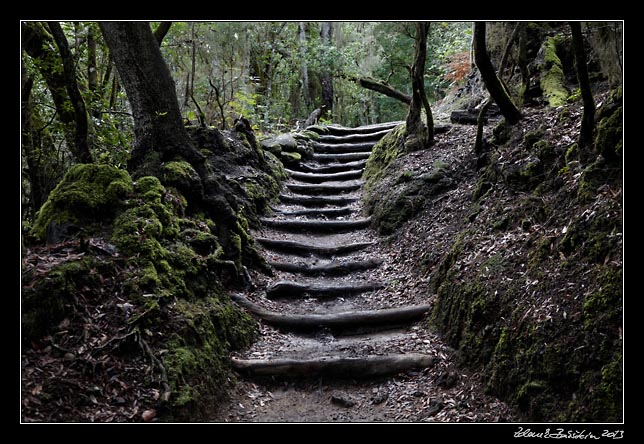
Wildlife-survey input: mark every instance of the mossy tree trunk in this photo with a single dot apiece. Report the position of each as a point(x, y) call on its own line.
point(39, 44)
point(588, 118)
point(491, 80)
point(419, 136)
point(81, 139)
point(158, 126)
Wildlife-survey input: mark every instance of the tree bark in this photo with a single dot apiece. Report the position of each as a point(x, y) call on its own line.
point(491, 80)
point(305, 69)
point(158, 125)
point(419, 136)
point(342, 367)
point(80, 112)
point(588, 117)
point(161, 31)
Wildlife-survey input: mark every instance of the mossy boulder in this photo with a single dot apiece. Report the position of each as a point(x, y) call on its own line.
point(290, 159)
point(88, 196)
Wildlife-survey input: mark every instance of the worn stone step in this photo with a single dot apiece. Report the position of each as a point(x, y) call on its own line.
point(305, 249)
point(343, 320)
point(317, 189)
point(340, 158)
point(330, 269)
point(319, 178)
point(368, 137)
point(317, 226)
point(289, 289)
point(335, 366)
point(317, 212)
point(359, 147)
point(316, 201)
point(333, 167)
point(338, 130)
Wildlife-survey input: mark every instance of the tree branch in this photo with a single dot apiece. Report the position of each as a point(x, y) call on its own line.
point(378, 86)
point(161, 31)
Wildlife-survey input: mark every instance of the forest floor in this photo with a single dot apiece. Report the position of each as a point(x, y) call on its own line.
point(441, 393)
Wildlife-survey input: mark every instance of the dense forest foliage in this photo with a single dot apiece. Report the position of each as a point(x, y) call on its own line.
point(133, 247)
point(274, 74)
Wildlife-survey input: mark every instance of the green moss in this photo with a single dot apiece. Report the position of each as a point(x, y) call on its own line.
point(87, 196)
point(50, 299)
point(609, 138)
point(604, 305)
point(197, 360)
point(553, 80)
point(572, 153)
point(182, 176)
point(388, 149)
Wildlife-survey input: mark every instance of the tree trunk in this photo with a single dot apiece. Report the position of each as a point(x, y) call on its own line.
point(80, 112)
point(305, 69)
point(92, 72)
point(326, 79)
point(151, 92)
point(508, 48)
point(588, 118)
point(419, 136)
point(523, 64)
point(491, 80)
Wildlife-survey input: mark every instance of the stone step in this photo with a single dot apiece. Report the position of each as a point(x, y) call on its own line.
point(317, 226)
point(316, 212)
point(289, 289)
point(316, 201)
point(335, 366)
point(330, 269)
point(333, 167)
point(317, 189)
point(351, 138)
point(319, 178)
point(337, 130)
point(340, 158)
point(304, 249)
point(339, 321)
point(361, 147)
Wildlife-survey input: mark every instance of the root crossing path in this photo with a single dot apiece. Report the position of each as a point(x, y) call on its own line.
point(337, 343)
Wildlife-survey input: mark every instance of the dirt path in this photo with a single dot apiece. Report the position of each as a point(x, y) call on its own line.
point(342, 340)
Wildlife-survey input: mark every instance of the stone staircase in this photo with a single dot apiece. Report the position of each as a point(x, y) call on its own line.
point(325, 258)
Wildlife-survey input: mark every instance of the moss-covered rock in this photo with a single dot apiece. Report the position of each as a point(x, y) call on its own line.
point(609, 138)
point(89, 195)
point(553, 79)
point(205, 331)
point(388, 149)
point(290, 159)
point(182, 176)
